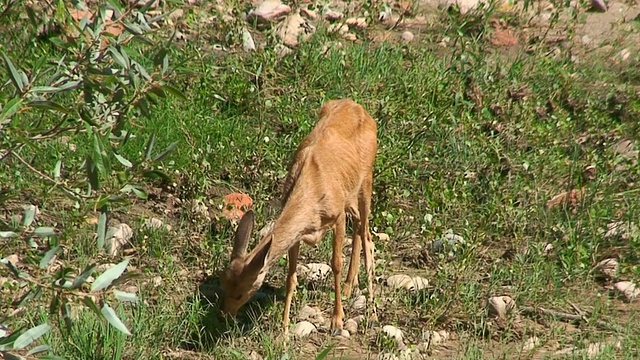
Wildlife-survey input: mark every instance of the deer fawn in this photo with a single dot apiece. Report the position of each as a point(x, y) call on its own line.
point(331, 175)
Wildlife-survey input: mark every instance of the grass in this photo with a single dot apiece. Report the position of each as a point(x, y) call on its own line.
point(469, 140)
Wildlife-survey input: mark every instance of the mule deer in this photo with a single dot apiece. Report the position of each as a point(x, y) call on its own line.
point(331, 175)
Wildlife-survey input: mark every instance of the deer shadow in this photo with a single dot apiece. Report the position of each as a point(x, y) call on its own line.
point(214, 325)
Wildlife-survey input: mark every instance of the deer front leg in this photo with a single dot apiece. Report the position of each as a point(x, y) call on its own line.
point(339, 231)
point(292, 281)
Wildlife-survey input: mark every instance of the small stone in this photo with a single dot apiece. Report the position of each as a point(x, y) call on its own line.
point(531, 343)
point(624, 54)
point(310, 14)
point(117, 236)
point(247, 41)
point(608, 267)
point(350, 36)
point(332, 15)
point(351, 326)
point(174, 15)
point(304, 329)
point(311, 314)
point(314, 272)
point(338, 28)
point(359, 303)
point(407, 36)
point(268, 11)
point(13, 259)
point(407, 282)
point(253, 355)
point(500, 306)
point(394, 334)
point(627, 289)
point(155, 223)
point(291, 29)
point(360, 22)
point(598, 5)
point(282, 51)
point(382, 237)
point(342, 333)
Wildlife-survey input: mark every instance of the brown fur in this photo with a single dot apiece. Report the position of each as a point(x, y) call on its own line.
point(331, 175)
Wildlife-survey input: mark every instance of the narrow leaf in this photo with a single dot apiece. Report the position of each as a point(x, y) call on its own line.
point(57, 170)
point(45, 89)
point(113, 319)
point(54, 305)
point(174, 91)
point(29, 215)
point(7, 234)
point(13, 73)
point(166, 152)
point(88, 301)
point(38, 349)
point(149, 147)
point(92, 173)
point(9, 109)
point(106, 278)
point(66, 314)
point(44, 231)
point(9, 356)
point(48, 256)
point(80, 279)
point(30, 336)
point(125, 296)
point(48, 105)
point(156, 174)
point(123, 161)
point(102, 226)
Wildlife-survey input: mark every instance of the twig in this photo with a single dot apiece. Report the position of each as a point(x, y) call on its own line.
point(581, 317)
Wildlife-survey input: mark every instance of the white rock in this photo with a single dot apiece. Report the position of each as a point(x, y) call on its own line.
point(407, 36)
point(500, 306)
point(351, 326)
point(253, 355)
point(338, 28)
point(312, 315)
point(387, 356)
point(608, 267)
point(303, 329)
point(314, 272)
point(291, 28)
point(620, 229)
point(310, 14)
point(343, 333)
point(268, 10)
point(247, 41)
point(155, 223)
point(117, 236)
point(407, 282)
point(282, 51)
point(393, 333)
point(382, 237)
point(627, 289)
point(437, 337)
point(13, 259)
point(359, 303)
point(266, 229)
point(531, 343)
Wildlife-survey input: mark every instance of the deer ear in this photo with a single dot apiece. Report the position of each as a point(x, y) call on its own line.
point(259, 259)
point(243, 234)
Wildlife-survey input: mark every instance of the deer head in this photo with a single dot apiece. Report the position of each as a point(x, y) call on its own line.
point(245, 273)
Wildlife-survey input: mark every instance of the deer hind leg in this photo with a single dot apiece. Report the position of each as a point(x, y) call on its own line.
point(292, 281)
point(367, 242)
point(354, 262)
point(339, 231)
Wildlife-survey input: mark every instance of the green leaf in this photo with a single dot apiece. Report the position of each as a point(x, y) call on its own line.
point(57, 170)
point(9, 356)
point(158, 91)
point(126, 277)
point(149, 147)
point(172, 90)
point(113, 319)
point(324, 353)
point(66, 314)
point(44, 231)
point(30, 336)
point(92, 173)
point(70, 85)
point(117, 56)
point(48, 105)
point(166, 152)
point(88, 301)
point(102, 226)
point(125, 296)
point(123, 161)
point(39, 349)
point(7, 234)
point(132, 28)
point(80, 279)
point(9, 109)
point(13, 73)
point(51, 357)
point(29, 215)
point(140, 193)
point(45, 89)
point(156, 174)
point(54, 305)
point(106, 278)
point(48, 256)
